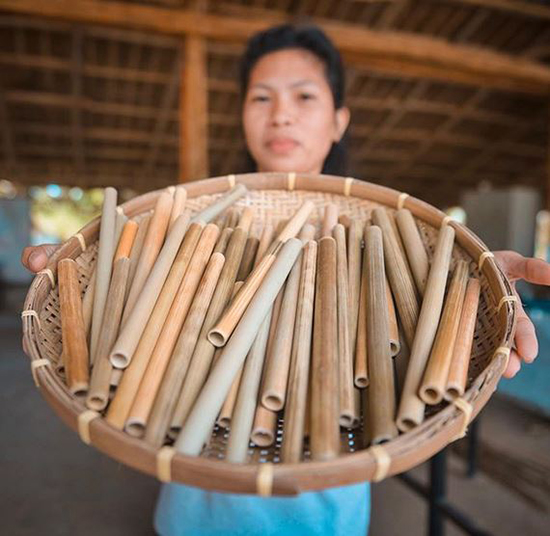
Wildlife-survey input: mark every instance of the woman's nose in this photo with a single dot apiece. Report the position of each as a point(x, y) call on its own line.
point(282, 112)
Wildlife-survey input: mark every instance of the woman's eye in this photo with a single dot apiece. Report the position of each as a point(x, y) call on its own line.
point(306, 96)
point(260, 98)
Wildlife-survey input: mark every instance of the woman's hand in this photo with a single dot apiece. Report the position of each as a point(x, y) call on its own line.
point(36, 258)
point(517, 267)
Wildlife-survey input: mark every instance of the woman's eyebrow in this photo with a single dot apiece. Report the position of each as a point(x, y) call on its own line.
point(263, 85)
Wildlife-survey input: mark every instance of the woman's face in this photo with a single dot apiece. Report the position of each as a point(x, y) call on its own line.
point(289, 118)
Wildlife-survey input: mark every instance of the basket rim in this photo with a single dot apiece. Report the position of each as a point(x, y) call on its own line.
point(405, 451)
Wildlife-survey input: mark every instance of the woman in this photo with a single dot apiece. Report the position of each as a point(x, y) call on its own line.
point(292, 83)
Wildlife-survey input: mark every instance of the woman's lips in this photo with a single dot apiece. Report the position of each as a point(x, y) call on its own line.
point(282, 145)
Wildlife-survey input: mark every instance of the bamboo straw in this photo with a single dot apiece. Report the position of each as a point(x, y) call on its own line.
point(295, 409)
point(243, 413)
point(116, 376)
point(414, 246)
point(121, 403)
point(231, 218)
point(131, 330)
point(361, 374)
point(210, 212)
point(355, 239)
point(199, 424)
point(400, 278)
point(136, 249)
point(88, 303)
point(401, 363)
point(330, 219)
point(126, 240)
point(249, 254)
point(178, 206)
point(264, 427)
point(411, 408)
point(149, 252)
point(204, 350)
point(120, 221)
point(325, 438)
point(168, 337)
point(458, 372)
point(381, 386)
point(104, 265)
point(223, 240)
point(395, 344)
point(224, 418)
point(219, 335)
point(348, 415)
point(167, 396)
point(98, 393)
point(73, 333)
point(432, 387)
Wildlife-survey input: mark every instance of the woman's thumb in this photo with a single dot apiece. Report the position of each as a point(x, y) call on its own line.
point(36, 258)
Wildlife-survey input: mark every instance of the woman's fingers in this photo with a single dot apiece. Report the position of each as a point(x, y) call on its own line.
point(36, 258)
point(514, 364)
point(517, 266)
point(526, 342)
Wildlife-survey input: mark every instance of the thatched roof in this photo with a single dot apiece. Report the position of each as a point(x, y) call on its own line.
point(444, 94)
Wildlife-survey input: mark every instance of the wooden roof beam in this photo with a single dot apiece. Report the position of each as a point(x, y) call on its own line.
point(401, 53)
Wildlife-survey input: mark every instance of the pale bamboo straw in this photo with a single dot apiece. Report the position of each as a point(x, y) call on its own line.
point(223, 329)
point(98, 393)
point(104, 265)
point(411, 408)
point(264, 427)
point(295, 408)
point(209, 213)
point(355, 239)
point(73, 333)
point(132, 329)
point(178, 206)
point(150, 250)
point(120, 222)
point(399, 276)
point(167, 396)
point(381, 385)
point(361, 373)
point(325, 437)
point(414, 246)
point(245, 406)
point(348, 416)
point(136, 249)
point(198, 425)
point(166, 342)
point(116, 377)
point(458, 372)
point(121, 403)
point(395, 344)
point(433, 384)
point(204, 350)
point(330, 219)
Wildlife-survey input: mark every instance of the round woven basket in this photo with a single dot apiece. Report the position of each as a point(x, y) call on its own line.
point(277, 196)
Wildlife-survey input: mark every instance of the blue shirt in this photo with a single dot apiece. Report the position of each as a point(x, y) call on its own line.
point(188, 511)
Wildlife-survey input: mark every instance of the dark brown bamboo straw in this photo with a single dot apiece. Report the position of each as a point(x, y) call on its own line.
point(355, 239)
point(381, 385)
point(401, 281)
point(395, 343)
point(73, 332)
point(432, 388)
point(458, 372)
point(325, 437)
point(295, 409)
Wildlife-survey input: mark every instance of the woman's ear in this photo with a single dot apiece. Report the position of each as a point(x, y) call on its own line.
point(342, 117)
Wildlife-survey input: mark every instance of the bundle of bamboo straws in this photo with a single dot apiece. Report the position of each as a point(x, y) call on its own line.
point(187, 324)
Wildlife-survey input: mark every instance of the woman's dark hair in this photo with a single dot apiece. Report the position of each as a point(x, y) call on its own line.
point(314, 40)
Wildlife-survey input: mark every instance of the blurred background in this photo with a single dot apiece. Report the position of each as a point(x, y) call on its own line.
point(449, 102)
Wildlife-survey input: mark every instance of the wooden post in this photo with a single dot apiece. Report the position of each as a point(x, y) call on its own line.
point(193, 110)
